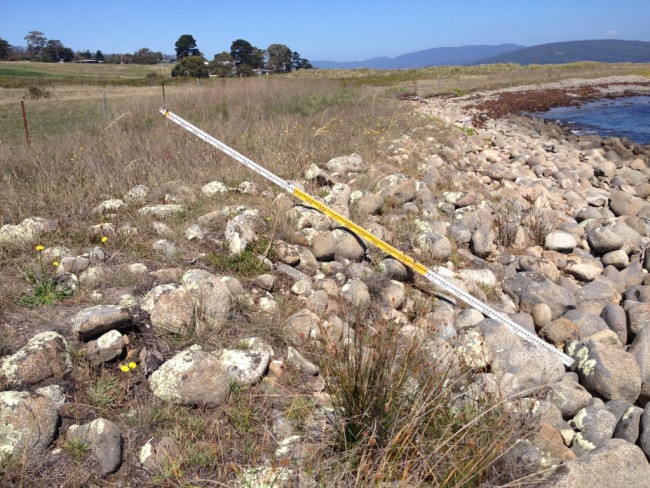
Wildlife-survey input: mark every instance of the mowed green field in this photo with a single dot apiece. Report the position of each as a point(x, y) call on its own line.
point(80, 70)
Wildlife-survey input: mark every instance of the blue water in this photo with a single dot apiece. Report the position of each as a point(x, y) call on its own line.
point(621, 117)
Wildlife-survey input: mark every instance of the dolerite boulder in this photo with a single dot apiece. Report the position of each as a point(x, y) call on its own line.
point(46, 355)
point(595, 425)
point(28, 422)
point(532, 365)
point(640, 350)
point(105, 439)
point(170, 307)
point(530, 288)
point(615, 464)
point(245, 367)
point(605, 368)
point(94, 321)
point(603, 240)
point(568, 395)
point(211, 296)
point(192, 377)
point(622, 203)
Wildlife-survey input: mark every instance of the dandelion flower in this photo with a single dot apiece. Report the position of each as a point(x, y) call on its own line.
point(104, 239)
point(124, 368)
point(132, 365)
point(39, 248)
point(55, 263)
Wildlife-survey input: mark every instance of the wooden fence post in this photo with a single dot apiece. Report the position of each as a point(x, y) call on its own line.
point(22, 105)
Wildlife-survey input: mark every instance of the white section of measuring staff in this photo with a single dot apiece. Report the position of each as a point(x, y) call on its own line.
point(363, 233)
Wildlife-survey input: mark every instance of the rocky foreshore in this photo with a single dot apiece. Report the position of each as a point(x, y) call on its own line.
point(545, 226)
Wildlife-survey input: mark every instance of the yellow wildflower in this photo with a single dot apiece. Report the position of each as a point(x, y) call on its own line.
point(132, 365)
point(55, 263)
point(39, 248)
point(104, 239)
point(124, 368)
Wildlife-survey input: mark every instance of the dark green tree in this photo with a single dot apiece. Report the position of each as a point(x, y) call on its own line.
point(99, 56)
point(280, 58)
point(223, 65)
point(5, 49)
point(242, 52)
point(300, 63)
point(193, 66)
point(55, 51)
point(147, 56)
point(186, 46)
point(84, 54)
point(36, 43)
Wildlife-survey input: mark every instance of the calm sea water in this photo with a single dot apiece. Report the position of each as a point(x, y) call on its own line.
point(622, 117)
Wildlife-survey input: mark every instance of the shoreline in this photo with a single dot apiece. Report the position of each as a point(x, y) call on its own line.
point(491, 108)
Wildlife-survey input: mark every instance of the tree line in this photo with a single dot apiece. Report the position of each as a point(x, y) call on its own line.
point(243, 59)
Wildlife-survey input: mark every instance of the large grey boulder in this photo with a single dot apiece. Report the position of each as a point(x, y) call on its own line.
point(28, 423)
point(605, 368)
point(568, 395)
point(106, 348)
point(615, 464)
point(26, 232)
point(348, 245)
point(603, 240)
point(105, 439)
point(532, 365)
point(46, 355)
point(595, 425)
point(171, 309)
point(211, 296)
point(192, 377)
point(560, 241)
point(346, 164)
point(530, 288)
point(640, 351)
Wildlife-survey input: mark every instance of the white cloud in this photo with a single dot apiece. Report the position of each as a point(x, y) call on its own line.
point(611, 33)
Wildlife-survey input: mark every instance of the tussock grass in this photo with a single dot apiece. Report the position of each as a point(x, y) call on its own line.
point(403, 418)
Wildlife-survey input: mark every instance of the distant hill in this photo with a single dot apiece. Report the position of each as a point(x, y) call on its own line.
point(607, 50)
point(421, 59)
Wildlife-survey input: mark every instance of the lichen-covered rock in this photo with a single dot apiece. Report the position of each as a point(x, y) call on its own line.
point(246, 367)
point(28, 422)
point(211, 296)
point(605, 368)
point(170, 308)
point(192, 377)
point(46, 355)
point(26, 232)
point(595, 425)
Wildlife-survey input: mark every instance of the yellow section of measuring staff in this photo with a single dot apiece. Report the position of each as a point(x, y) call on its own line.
point(361, 232)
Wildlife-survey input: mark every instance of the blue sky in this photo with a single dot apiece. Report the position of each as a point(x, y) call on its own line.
point(321, 30)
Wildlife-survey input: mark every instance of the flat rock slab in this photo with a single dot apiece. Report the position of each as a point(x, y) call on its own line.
point(94, 321)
